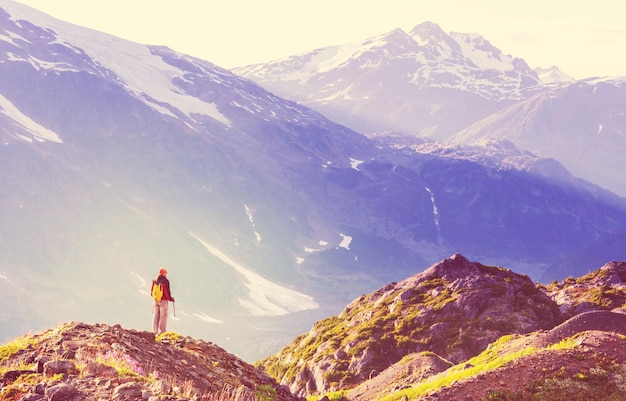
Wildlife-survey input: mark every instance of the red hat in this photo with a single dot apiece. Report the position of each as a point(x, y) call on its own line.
point(163, 271)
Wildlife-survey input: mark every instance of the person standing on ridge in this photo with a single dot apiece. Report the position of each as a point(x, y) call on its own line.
point(161, 294)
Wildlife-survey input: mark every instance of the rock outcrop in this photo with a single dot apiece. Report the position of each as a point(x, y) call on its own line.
point(454, 309)
point(601, 289)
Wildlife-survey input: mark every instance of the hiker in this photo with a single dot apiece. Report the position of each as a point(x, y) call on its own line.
point(161, 295)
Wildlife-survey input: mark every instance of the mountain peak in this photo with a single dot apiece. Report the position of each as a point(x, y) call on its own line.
point(427, 31)
point(552, 75)
point(456, 267)
point(396, 36)
point(436, 42)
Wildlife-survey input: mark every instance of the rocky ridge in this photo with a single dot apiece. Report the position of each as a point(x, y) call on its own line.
point(448, 318)
point(604, 288)
point(78, 361)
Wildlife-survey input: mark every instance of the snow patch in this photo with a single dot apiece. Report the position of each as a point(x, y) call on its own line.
point(251, 219)
point(39, 133)
point(264, 297)
point(473, 49)
point(435, 212)
point(345, 242)
point(333, 57)
point(144, 74)
point(355, 163)
point(205, 318)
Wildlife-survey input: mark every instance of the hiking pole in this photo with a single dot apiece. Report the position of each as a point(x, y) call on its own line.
point(175, 326)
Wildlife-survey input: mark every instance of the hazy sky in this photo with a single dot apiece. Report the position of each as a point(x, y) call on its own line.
point(583, 38)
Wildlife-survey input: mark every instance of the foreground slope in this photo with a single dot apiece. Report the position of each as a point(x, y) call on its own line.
point(97, 361)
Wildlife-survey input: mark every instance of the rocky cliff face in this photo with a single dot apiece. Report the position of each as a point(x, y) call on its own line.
point(78, 361)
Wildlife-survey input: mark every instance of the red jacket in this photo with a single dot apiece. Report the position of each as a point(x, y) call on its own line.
point(165, 283)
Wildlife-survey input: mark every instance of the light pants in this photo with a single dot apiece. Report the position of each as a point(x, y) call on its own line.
point(159, 318)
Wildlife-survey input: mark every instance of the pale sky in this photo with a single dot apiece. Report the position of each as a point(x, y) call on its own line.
point(584, 38)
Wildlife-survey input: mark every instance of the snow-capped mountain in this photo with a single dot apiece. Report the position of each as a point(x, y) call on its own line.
point(553, 75)
point(424, 82)
point(119, 158)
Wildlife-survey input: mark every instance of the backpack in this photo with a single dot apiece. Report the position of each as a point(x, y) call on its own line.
point(157, 291)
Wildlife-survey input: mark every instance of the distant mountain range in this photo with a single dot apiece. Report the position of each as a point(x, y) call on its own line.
point(120, 158)
point(459, 88)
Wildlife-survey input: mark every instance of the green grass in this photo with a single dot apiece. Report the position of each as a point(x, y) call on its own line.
point(487, 361)
point(15, 346)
